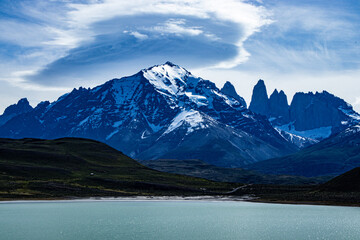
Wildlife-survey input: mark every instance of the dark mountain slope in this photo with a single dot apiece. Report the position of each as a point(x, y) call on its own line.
point(14, 110)
point(347, 182)
point(332, 156)
point(33, 168)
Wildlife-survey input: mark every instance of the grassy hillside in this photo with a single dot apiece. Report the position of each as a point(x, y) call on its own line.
point(71, 167)
point(197, 168)
point(341, 190)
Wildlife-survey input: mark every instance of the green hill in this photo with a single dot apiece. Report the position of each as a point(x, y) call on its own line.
point(72, 167)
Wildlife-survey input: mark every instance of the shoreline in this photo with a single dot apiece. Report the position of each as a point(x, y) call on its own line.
point(136, 198)
point(249, 199)
point(314, 203)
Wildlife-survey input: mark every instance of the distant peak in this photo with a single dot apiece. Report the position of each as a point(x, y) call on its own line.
point(228, 84)
point(23, 101)
point(324, 92)
point(167, 77)
point(229, 89)
point(170, 64)
point(22, 106)
point(167, 65)
point(260, 88)
point(260, 82)
point(259, 100)
point(275, 92)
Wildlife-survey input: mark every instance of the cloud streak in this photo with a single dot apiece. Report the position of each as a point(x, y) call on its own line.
point(205, 31)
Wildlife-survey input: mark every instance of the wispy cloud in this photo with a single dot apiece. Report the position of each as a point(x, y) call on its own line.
point(306, 38)
point(175, 26)
point(209, 27)
point(138, 35)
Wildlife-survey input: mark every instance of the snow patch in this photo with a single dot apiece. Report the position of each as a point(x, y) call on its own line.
point(315, 134)
point(83, 121)
point(198, 99)
point(351, 113)
point(112, 134)
point(191, 118)
point(295, 139)
point(117, 124)
point(353, 129)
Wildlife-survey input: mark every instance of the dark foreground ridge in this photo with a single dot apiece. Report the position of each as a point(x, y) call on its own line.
point(198, 168)
point(343, 190)
point(73, 167)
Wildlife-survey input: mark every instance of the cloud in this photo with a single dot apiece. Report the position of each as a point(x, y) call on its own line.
point(137, 35)
point(356, 103)
point(113, 55)
point(176, 26)
point(305, 38)
point(205, 32)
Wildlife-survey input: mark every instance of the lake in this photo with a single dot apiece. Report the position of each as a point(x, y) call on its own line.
point(77, 220)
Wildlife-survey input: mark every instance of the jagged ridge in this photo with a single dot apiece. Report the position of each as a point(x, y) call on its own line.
point(160, 111)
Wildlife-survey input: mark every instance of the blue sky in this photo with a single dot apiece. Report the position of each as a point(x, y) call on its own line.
point(49, 47)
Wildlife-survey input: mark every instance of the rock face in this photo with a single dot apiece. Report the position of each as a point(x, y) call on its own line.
point(279, 107)
point(229, 90)
point(259, 100)
point(310, 111)
point(276, 107)
point(160, 112)
point(310, 117)
point(14, 110)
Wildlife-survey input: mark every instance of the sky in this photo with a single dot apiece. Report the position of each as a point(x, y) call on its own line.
point(47, 48)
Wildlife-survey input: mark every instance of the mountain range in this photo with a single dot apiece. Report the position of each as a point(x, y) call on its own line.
point(160, 112)
point(165, 112)
point(310, 118)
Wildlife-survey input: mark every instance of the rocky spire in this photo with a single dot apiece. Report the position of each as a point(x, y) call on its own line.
point(259, 100)
point(279, 107)
point(229, 90)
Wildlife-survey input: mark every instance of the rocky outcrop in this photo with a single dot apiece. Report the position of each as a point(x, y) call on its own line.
point(14, 110)
point(259, 100)
point(310, 111)
point(310, 117)
point(229, 90)
point(276, 107)
point(279, 107)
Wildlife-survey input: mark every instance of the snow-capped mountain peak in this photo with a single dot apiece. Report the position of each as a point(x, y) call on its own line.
point(155, 112)
point(180, 87)
point(167, 78)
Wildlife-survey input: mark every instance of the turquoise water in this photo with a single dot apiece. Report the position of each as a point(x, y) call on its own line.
point(198, 220)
